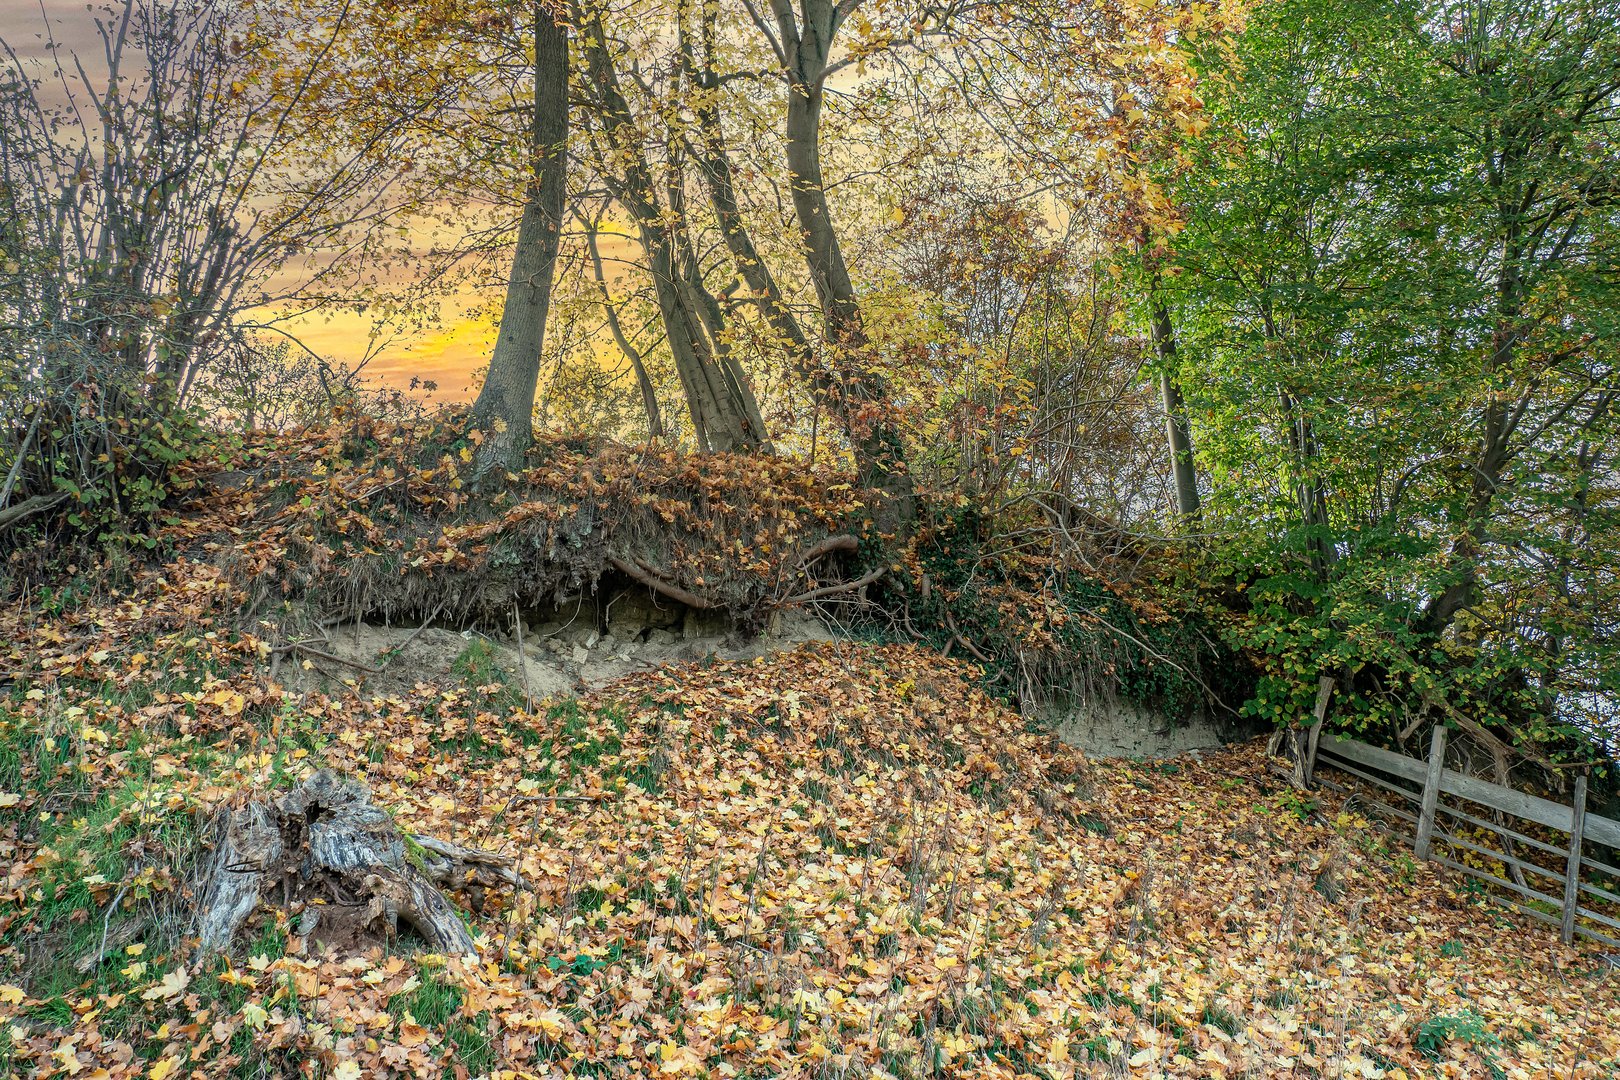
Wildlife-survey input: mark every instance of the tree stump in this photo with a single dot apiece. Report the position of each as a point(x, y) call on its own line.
point(325, 852)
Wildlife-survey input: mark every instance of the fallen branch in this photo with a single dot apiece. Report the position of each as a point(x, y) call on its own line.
point(556, 799)
point(16, 515)
point(22, 455)
point(649, 578)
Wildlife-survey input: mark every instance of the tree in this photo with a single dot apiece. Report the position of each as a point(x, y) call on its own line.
point(1178, 431)
point(802, 41)
point(1093, 100)
point(610, 311)
point(1531, 90)
point(504, 409)
point(720, 398)
point(1400, 335)
point(153, 206)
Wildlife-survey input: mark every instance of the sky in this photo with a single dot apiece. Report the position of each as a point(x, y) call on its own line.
point(449, 355)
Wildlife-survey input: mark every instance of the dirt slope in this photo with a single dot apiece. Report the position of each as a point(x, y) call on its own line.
point(835, 861)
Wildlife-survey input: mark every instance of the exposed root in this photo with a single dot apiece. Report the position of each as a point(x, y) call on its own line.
point(650, 578)
point(834, 590)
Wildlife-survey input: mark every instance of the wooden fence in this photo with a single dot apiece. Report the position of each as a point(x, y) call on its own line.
point(1427, 784)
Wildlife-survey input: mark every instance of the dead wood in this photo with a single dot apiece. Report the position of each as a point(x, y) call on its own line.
point(21, 512)
point(326, 853)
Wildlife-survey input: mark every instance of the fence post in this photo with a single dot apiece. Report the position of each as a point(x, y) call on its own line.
point(1324, 693)
point(1572, 875)
point(1431, 791)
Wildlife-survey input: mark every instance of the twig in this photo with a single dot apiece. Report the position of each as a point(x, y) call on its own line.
point(402, 646)
point(545, 799)
point(316, 654)
point(957, 635)
point(106, 922)
point(522, 659)
point(303, 648)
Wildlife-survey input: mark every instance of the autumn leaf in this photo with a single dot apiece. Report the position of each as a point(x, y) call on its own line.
point(169, 987)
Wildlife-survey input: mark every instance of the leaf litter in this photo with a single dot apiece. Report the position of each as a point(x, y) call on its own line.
point(839, 860)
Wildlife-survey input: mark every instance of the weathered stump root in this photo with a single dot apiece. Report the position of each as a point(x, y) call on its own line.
point(324, 846)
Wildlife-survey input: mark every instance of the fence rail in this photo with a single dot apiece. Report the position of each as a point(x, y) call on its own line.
point(1426, 784)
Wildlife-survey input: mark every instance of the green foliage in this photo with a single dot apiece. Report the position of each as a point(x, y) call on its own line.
point(1293, 802)
point(1398, 321)
point(433, 1003)
point(475, 667)
point(1467, 1027)
point(97, 474)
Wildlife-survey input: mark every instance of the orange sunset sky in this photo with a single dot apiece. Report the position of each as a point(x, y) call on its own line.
point(450, 354)
point(453, 353)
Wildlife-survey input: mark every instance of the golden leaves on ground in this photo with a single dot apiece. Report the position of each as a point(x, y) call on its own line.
point(841, 861)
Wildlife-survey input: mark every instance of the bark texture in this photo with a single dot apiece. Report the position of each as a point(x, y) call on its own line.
point(504, 410)
point(856, 393)
point(325, 852)
point(718, 395)
point(1178, 432)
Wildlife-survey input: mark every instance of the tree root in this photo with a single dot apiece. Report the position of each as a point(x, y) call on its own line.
point(650, 578)
point(834, 590)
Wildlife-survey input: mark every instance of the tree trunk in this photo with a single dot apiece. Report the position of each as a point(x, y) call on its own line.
point(504, 410)
point(1177, 430)
point(1497, 426)
point(717, 399)
point(738, 386)
point(856, 393)
point(1309, 492)
point(716, 415)
point(715, 165)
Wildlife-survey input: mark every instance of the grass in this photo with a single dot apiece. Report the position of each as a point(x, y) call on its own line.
point(106, 852)
point(685, 886)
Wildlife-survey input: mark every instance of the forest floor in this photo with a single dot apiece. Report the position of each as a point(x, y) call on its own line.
point(832, 860)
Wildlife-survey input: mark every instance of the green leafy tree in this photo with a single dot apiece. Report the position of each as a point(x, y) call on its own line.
point(1396, 293)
